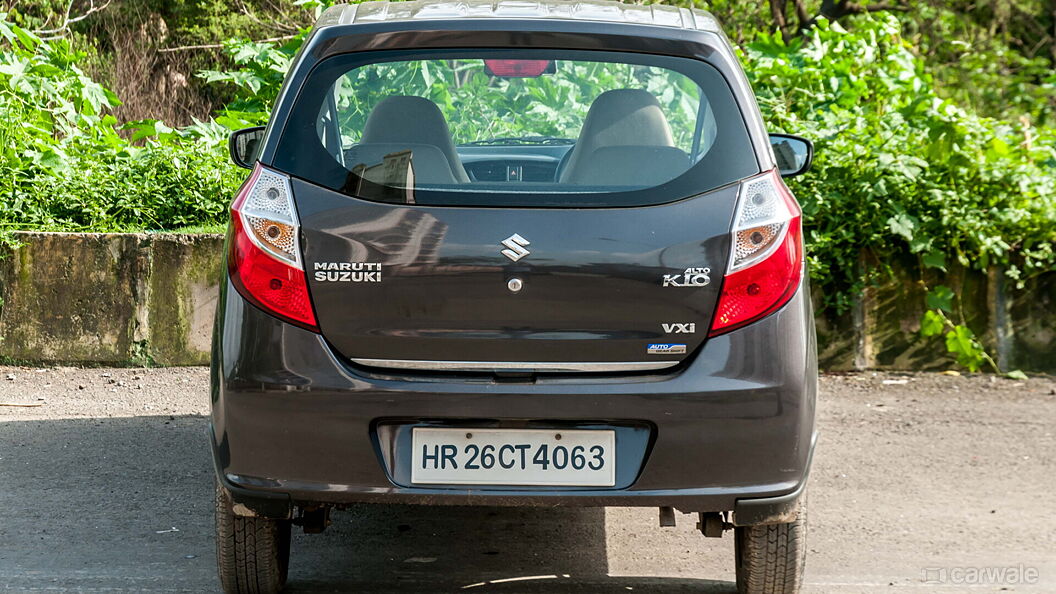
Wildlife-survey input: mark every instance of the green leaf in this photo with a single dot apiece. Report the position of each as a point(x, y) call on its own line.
point(53, 159)
point(999, 147)
point(143, 129)
point(902, 224)
point(27, 39)
point(919, 244)
point(931, 324)
point(941, 297)
point(1016, 375)
point(961, 342)
point(935, 259)
point(111, 97)
point(95, 94)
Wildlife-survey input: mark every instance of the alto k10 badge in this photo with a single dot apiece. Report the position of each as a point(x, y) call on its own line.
point(692, 277)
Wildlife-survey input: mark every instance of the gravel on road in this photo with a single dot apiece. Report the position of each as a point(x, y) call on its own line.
point(921, 481)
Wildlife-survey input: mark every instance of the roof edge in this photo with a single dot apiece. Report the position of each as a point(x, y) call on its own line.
point(338, 14)
point(572, 10)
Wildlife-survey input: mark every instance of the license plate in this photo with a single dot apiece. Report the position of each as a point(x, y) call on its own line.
point(582, 458)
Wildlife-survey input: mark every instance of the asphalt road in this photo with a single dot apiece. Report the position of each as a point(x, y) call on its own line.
point(923, 482)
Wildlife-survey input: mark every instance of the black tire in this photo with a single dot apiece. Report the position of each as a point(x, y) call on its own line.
point(252, 554)
point(770, 559)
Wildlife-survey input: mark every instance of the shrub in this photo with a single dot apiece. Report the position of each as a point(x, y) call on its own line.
point(900, 170)
point(66, 165)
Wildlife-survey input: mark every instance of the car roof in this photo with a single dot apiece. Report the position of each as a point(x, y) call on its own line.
point(588, 10)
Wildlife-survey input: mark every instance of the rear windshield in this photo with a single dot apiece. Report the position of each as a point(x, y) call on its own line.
point(532, 128)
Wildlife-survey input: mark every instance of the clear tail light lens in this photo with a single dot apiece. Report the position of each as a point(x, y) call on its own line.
point(766, 259)
point(264, 257)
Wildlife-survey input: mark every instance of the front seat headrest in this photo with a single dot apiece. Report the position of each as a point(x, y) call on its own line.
point(412, 120)
point(623, 117)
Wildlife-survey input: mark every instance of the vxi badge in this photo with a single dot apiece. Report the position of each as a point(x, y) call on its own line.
point(692, 277)
point(689, 328)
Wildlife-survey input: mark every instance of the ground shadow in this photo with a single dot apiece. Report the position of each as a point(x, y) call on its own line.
point(385, 548)
point(125, 504)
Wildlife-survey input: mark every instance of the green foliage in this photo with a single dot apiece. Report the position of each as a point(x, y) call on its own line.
point(159, 186)
point(993, 57)
point(65, 164)
point(899, 170)
point(962, 343)
point(960, 340)
point(257, 79)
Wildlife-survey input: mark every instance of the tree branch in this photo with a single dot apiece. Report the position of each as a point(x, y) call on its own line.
point(67, 21)
point(777, 11)
point(835, 10)
point(879, 8)
point(274, 25)
point(183, 48)
point(801, 14)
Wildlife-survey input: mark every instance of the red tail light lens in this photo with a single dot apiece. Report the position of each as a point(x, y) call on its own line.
point(767, 259)
point(264, 259)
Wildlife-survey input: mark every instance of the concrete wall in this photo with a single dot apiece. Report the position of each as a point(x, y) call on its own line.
point(109, 298)
point(882, 330)
point(150, 299)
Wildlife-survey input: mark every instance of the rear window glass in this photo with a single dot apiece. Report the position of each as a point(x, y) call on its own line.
point(541, 128)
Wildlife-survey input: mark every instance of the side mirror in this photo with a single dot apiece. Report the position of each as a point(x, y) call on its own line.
point(245, 146)
point(794, 153)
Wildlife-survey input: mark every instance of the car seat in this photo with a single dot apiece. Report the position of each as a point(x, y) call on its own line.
point(625, 141)
point(400, 123)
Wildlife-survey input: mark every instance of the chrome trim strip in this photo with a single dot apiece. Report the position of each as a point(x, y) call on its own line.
point(516, 366)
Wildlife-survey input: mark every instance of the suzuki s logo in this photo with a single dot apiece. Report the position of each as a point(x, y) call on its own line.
point(515, 247)
point(679, 328)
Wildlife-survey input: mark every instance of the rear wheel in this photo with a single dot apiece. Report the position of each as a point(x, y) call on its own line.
point(252, 554)
point(770, 559)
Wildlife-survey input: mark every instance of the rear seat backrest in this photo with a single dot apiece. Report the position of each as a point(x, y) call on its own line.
point(429, 163)
point(408, 120)
point(632, 121)
point(632, 166)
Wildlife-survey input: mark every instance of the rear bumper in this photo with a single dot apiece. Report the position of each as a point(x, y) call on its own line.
point(292, 424)
point(275, 501)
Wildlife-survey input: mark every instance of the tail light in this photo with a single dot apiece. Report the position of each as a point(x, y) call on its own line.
point(766, 255)
point(264, 257)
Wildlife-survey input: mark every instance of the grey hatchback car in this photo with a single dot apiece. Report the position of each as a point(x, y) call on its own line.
point(514, 253)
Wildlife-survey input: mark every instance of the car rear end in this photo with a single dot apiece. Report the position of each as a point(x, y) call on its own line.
point(515, 261)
